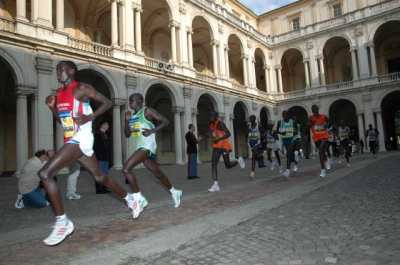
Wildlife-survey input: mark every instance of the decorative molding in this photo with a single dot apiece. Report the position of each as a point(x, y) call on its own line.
point(177, 109)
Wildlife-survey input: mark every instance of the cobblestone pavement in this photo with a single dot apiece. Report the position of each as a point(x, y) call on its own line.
point(354, 218)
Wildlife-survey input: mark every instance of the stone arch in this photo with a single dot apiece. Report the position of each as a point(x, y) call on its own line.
point(327, 38)
point(15, 67)
point(173, 94)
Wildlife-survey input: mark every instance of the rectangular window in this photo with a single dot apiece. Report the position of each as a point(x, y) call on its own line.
point(296, 23)
point(337, 10)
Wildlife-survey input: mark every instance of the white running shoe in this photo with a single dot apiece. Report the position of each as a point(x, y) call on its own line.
point(73, 196)
point(327, 165)
point(340, 160)
point(286, 174)
point(214, 188)
point(60, 231)
point(19, 204)
point(134, 205)
point(273, 165)
point(296, 156)
point(143, 203)
point(295, 169)
point(177, 198)
point(280, 169)
point(323, 173)
point(264, 153)
point(241, 162)
point(348, 164)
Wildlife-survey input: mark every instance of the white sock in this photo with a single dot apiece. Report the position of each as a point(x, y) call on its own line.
point(128, 197)
point(62, 218)
point(215, 183)
point(173, 191)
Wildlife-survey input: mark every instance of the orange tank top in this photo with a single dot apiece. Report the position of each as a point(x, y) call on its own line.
point(318, 129)
point(215, 133)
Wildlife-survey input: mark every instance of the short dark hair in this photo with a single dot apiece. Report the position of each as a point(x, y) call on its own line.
point(102, 122)
point(215, 113)
point(71, 65)
point(40, 152)
point(190, 126)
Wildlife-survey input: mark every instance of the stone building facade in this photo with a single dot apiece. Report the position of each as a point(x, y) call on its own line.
point(188, 57)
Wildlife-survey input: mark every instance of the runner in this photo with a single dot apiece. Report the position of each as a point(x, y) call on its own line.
point(272, 145)
point(285, 129)
point(253, 140)
point(344, 136)
point(373, 134)
point(297, 135)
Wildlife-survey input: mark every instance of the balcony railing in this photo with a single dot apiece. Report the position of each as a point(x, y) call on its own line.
point(238, 87)
point(206, 78)
point(389, 78)
point(295, 94)
point(89, 46)
point(339, 86)
point(7, 24)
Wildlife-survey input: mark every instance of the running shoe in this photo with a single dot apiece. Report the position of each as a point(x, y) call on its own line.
point(214, 188)
point(323, 173)
point(134, 205)
point(241, 162)
point(327, 165)
point(143, 203)
point(295, 169)
point(280, 169)
point(19, 204)
point(73, 196)
point(177, 198)
point(273, 165)
point(60, 231)
point(252, 175)
point(296, 156)
point(286, 174)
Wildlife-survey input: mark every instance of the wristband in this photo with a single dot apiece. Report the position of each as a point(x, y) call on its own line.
point(153, 130)
point(93, 116)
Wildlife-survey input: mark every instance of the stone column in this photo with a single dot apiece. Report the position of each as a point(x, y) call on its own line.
point(361, 129)
point(305, 61)
point(183, 51)
point(173, 41)
point(44, 68)
point(253, 67)
point(279, 69)
point(272, 81)
point(267, 79)
point(60, 15)
point(362, 53)
point(177, 132)
point(250, 71)
point(379, 125)
point(138, 29)
point(116, 141)
point(34, 11)
point(215, 44)
point(354, 63)
point(189, 33)
point(373, 60)
point(368, 115)
point(313, 64)
point(320, 59)
point(114, 23)
point(21, 123)
point(195, 112)
point(21, 10)
point(97, 36)
point(121, 24)
point(244, 58)
point(187, 95)
point(129, 28)
point(227, 61)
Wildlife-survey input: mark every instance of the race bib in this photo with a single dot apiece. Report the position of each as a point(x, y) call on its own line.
point(319, 128)
point(67, 123)
point(134, 126)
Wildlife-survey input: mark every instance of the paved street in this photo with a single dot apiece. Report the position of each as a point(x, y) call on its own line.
point(350, 217)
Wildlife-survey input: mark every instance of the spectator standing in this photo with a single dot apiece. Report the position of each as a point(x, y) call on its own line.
point(102, 150)
point(191, 151)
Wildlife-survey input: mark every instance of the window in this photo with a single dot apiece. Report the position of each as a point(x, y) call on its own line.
point(296, 23)
point(337, 10)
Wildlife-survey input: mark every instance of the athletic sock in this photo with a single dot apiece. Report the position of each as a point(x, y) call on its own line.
point(173, 191)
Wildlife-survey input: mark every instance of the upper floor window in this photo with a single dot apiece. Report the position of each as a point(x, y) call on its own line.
point(296, 23)
point(337, 10)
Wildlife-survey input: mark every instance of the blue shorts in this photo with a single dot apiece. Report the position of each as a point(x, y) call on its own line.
point(287, 141)
point(151, 156)
point(253, 143)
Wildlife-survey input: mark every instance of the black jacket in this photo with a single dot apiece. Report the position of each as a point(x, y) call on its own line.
point(191, 143)
point(101, 146)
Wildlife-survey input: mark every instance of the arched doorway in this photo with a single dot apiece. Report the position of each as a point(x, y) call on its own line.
point(240, 129)
point(204, 106)
point(345, 109)
point(390, 112)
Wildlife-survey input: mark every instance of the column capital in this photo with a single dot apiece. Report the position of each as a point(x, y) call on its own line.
point(195, 112)
point(221, 115)
point(119, 102)
point(231, 116)
point(137, 8)
point(177, 110)
point(278, 67)
point(266, 67)
point(189, 30)
point(173, 24)
point(226, 47)
point(353, 48)
point(359, 112)
point(377, 110)
point(24, 90)
point(244, 56)
point(214, 42)
point(306, 60)
point(319, 57)
point(370, 44)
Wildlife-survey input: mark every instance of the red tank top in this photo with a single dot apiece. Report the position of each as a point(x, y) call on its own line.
point(318, 129)
point(68, 107)
point(215, 133)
